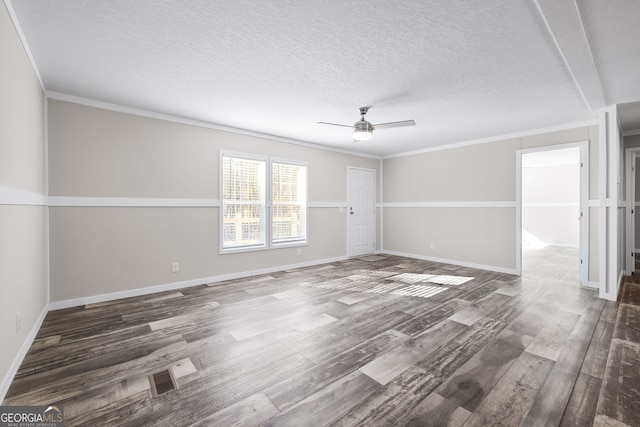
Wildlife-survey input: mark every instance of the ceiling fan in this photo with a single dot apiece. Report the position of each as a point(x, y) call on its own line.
point(363, 130)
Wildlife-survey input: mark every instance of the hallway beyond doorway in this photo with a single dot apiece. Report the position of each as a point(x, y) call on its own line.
point(552, 262)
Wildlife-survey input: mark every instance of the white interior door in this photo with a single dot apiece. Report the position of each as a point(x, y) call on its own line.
point(361, 211)
point(633, 216)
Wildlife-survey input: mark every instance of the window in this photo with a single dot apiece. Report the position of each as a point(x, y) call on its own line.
point(250, 202)
point(289, 203)
point(243, 202)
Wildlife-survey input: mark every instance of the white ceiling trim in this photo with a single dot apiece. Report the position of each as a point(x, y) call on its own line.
point(497, 138)
point(23, 41)
point(574, 50)
point(183, 120)
point(600, 97)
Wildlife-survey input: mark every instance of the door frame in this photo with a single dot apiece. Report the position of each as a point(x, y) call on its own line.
point(373, 199)
point(584, 205)
point(630, 187)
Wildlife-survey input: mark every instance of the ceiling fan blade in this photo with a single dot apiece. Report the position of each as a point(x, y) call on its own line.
point(335, 124)
point(395, 124)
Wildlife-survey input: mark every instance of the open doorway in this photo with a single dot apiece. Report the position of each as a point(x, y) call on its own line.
point(552, 204)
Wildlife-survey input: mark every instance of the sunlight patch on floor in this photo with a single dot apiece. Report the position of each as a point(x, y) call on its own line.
point(530, 241)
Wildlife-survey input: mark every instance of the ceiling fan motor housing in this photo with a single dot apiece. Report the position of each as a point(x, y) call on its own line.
point(363, 126)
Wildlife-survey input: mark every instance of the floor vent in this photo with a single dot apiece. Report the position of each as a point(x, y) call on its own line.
point(162, 382)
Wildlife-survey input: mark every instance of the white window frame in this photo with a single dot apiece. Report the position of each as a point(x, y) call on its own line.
point(268, 204)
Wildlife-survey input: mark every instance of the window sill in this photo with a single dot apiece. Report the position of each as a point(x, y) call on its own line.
point(288, 245)
point(228, 251)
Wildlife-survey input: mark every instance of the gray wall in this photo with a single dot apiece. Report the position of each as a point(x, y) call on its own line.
point(22, 188)
point(631, 141)
point(99, 250)
point(477, 236)
point(434, 197)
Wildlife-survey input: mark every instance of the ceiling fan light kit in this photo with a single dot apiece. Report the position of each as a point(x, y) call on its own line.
point(363, 130)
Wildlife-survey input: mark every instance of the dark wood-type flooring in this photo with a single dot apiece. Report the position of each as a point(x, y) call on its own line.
point(375, 341)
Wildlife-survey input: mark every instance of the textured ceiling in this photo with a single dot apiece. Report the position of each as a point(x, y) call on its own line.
point(463, 70)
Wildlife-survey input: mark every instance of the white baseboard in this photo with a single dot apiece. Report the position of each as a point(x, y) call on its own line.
point(17, 361)
point(590, 284)
point(611, 295)
point(454, 262)
point(57, 305)
point(93, 299)
point(620, 283)
point(564, 245)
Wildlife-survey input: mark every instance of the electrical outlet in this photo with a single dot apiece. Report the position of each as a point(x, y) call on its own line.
point(175, 267)
point(18, 322)
point(299, 251)
point(432, 245)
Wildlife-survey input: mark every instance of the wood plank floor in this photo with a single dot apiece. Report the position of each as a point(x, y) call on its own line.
point(619, 402)
point(375, 341)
